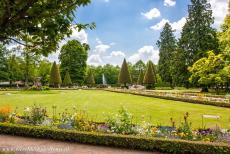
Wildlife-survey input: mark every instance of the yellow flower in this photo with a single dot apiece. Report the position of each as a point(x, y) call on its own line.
point(181, 134)
point(154, 129)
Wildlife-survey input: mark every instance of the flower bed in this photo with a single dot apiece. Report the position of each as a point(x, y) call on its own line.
point(196, 99)
point(124, 141)
point(121, 123)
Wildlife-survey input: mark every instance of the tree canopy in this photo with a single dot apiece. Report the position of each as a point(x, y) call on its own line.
point(73, 57)
point(197, 36)
point(208, 71)
point(41, 23)
point(3, 63)
point(167, 46)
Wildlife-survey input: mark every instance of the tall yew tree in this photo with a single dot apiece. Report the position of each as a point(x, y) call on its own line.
point(197, 36)
point(124, 75)
point(167, 46)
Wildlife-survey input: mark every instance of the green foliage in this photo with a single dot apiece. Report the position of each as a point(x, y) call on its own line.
point(124, 75)
point(197, 37)
point(154, 70)
point(44, 71)
point(179, 70)
point(3, 63)
point(149, 78)
point(123, 141)
point(55, 77)
point(140, 78)
point(185, 128)
point(167, 47)
point(90, 78)
point(208, 71)
point(42, 24)
point(15, 69)
point(35, 115)
point(224, 37)
point(67, 80)
point(73, 57)
point(136, 70)
point(121, 123)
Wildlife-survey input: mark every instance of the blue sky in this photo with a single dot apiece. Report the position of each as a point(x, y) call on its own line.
point(130, 28)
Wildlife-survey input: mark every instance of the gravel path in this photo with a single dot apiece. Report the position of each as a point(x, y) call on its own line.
point(23, 145)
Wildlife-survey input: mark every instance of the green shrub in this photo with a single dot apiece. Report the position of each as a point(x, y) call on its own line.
point(121, 123)
point(35, 115)
point(124, 141)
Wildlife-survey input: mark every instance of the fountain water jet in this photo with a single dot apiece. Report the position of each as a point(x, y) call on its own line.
point(104, 82)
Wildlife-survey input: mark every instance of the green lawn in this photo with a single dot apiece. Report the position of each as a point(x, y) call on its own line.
point(99, 104)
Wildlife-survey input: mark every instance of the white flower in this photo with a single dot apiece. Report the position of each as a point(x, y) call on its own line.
point(27, 109)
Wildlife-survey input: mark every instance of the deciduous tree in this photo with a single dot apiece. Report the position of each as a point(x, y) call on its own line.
point(73, 57)
point(46, 22)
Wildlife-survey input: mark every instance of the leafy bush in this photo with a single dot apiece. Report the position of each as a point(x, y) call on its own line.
point(121, 123)
point(124, 141)
point(35, 115)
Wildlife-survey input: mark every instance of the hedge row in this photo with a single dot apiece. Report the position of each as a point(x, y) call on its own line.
point(123, 141)
point(219, 104)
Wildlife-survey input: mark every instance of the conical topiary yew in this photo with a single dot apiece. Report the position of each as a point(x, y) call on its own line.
point(90, 79)
point(149, 79)
point(140, 78)
point(124, 75)
point(55, 77)
point(67, 80)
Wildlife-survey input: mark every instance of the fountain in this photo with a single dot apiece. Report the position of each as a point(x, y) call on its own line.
point(104, 82)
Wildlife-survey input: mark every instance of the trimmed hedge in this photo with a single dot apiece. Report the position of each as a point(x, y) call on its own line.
point(123, 141)
point(219, 104)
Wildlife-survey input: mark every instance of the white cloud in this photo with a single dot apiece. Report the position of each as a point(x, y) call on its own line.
point(117, 54)
point(145, 53)
point(160, 25)
point(220, 9)
point(101, 48)
point(153, 13)
point(94, 60)
point(169, 3)
point(177, 25)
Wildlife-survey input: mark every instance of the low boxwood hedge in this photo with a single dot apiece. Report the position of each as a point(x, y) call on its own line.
point(123, 141)
point(219, 104)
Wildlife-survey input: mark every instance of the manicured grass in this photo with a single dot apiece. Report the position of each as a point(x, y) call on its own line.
point(99, 104)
